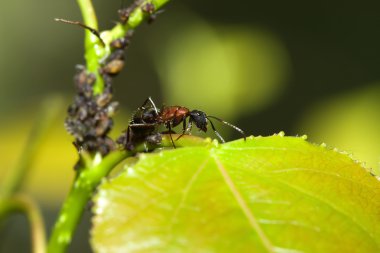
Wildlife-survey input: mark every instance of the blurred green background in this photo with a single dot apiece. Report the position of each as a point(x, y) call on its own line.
point(301, 67)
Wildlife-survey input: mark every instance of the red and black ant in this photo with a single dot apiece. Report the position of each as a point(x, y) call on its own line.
point(147, 118)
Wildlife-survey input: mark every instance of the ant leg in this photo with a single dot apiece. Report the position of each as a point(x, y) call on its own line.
point(228, 124)
point(129, 133)
point(137, 125)
point(170, 134)
point(187, 131)
point(184, 129)
point(216, 132)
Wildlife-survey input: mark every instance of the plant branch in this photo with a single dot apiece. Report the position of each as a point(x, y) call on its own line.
point(21, 203)
point(85, 183)
point(94, 48)
point(135, 19)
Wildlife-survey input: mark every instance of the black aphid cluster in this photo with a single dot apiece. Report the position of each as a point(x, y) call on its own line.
point(89, 118)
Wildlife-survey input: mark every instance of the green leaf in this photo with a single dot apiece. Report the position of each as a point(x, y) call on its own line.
point(268, 194)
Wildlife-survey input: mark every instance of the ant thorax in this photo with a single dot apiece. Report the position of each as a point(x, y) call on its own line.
point(173, 115)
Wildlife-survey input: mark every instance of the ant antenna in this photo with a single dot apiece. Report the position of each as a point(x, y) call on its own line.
point(154, 106)
point(216, 132)
point(226, 123)
point(92, 30)
point(150, 100)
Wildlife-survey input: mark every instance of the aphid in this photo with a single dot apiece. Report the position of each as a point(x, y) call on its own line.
point(80, 77)
point(114, 63)
point(113, 67)
point(125, 13)
point(147, 118)
point(84, 81)
point(149, 8)
point(123, 42)
point(103, 125)
point(103, 99)
point(111, 108)
point(119, 43)
point(107, 82)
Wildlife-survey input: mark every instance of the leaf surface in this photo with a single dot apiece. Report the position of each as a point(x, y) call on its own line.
point(268, 194)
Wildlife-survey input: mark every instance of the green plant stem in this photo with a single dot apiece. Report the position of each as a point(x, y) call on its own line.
point(135, 19)
point(94, 49)
point(85, 184)
point(21, 203)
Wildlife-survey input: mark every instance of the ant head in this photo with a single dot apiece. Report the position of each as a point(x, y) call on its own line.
point(200, 119)
point(149, 115)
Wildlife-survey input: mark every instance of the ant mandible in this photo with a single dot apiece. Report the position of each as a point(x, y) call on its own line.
point(147, 118)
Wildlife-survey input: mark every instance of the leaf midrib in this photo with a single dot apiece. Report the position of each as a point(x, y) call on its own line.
point(244, 206)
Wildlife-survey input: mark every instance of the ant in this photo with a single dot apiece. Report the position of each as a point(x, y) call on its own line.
point(147, 118)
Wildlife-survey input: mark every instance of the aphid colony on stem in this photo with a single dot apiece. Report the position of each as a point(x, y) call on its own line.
point(89, 117)
point(146, 120)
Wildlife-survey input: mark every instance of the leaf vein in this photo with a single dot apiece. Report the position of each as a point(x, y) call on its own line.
point(332, 206)
point(244, 206)
point(325, 173)
point(186, 191)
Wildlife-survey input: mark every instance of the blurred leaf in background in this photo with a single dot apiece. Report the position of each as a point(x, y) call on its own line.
point(225, 70)
point(50, 171)
point(350, 122)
